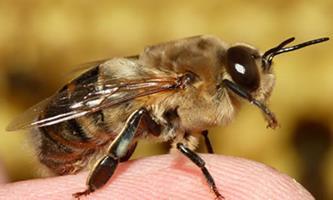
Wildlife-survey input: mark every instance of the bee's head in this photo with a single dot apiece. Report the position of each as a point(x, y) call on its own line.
point(251, 72)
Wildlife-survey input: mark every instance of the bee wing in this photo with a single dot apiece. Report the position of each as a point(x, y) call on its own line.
point(79, 69)
point(89, 98)
point(27, 117)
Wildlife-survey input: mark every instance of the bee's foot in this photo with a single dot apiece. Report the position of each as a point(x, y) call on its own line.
point(84, 193)
point(218, 195)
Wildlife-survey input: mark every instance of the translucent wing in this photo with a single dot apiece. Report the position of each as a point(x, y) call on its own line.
point(25, 119)
point(90, 97)
point(79, 69)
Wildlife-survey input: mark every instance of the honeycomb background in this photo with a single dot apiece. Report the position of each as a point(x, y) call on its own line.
point(41, 41)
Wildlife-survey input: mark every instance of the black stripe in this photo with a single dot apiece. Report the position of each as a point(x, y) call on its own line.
point(64, 88)
point(49, 144)
point(90, 76)
point(46, 134)
point(77, 130)
point(98, 117)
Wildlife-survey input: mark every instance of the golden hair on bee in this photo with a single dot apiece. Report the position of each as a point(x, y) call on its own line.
point(170, 92)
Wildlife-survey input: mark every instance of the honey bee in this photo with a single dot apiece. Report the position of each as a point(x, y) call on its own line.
point(170, 92)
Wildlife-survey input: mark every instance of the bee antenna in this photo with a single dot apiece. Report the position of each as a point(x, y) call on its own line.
point(269, 55)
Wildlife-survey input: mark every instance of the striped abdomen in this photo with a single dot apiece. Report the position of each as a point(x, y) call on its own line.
point(66, 147)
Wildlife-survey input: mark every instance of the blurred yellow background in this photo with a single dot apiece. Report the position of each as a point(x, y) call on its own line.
point(41, 41)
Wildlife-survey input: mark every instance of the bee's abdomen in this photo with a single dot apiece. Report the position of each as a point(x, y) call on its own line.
point(66, 147)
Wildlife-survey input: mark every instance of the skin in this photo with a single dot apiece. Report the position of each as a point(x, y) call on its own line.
point(169, 177)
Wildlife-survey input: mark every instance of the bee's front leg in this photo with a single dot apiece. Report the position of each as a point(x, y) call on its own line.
point(197, 160)
point(105, 168)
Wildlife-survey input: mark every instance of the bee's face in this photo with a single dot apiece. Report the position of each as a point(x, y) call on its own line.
point(245, 67)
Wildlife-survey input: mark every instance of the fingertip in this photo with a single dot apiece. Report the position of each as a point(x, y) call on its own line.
point(239, 178)
point(166, 177)
point(51, 188)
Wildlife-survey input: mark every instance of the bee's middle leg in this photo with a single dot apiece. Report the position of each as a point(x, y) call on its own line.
point(105, 168)
point(208, 144)
point(198, 161)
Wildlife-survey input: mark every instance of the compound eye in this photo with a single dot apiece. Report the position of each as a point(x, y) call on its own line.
point(242, 67)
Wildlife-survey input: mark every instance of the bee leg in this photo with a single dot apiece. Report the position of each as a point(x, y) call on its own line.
point(197, 160)
point(105, 168)
point(129, 153)
point(207, 141)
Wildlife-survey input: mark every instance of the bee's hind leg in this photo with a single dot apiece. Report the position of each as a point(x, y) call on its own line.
point(198, 161)
point(105, 167)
